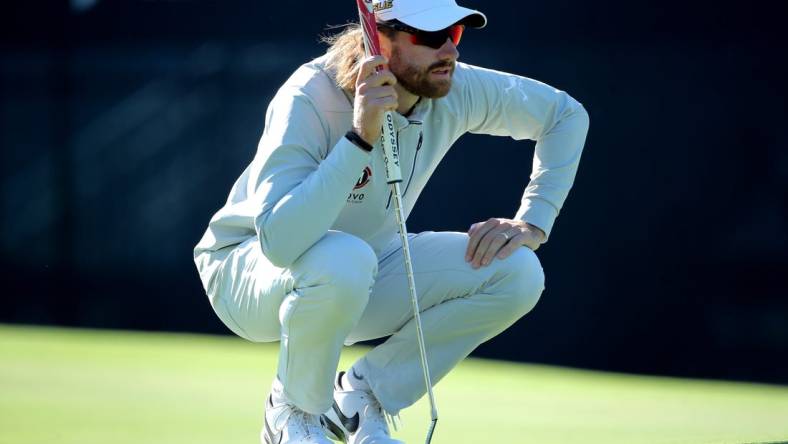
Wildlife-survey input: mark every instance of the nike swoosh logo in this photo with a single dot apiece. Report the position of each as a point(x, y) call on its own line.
point(333, 428)
point(351, 424)
point(356, 375)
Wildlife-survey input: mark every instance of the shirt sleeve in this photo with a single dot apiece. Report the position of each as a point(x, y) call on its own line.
point(298, 182)
point(505, 104)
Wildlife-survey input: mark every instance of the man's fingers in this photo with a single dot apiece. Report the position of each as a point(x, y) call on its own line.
point(381, 91)
point(384, 77)
point(473, 228)
point(375, 94)
point(376, 80)
point(376, 85)
point(384, 97)
point(369, 66)
point(388, 103)
point(512, 246)
point(499, 238)
point(476, 237)
point(484, 244)
point(497, 241)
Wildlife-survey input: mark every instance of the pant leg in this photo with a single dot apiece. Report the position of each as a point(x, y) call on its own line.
point(310, 307)
point(460, 308)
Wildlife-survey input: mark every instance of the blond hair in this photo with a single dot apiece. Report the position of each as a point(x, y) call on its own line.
point(344, 53)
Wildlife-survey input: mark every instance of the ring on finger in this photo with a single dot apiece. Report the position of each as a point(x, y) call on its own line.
point(509, 235)
point(505, 235)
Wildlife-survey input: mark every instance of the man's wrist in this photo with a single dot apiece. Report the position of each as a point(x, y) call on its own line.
point(537, 230)
point(358, 141)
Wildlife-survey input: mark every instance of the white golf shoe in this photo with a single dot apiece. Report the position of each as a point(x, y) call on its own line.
point(357, 417)
point(285, 424)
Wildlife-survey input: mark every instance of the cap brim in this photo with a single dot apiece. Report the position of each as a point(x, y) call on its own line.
point(441, 18)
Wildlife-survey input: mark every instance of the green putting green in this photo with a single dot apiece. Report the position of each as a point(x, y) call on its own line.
point(89, 386)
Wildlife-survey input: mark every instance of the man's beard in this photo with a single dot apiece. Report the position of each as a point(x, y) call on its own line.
point(417, 81)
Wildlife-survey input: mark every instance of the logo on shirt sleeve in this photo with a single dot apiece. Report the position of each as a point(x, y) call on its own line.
point(366, 175)
point(363, 180)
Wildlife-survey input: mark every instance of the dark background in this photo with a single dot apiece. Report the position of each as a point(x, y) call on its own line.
point(123, 125)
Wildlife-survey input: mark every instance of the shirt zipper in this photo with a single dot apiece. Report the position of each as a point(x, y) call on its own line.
point(413, 167)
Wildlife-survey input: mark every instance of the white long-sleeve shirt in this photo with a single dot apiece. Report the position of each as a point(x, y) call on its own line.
point(307, 178)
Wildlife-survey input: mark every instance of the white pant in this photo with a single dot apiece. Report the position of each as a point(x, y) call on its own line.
point(339, 292)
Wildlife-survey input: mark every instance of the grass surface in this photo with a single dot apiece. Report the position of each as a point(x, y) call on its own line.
point(84, 387)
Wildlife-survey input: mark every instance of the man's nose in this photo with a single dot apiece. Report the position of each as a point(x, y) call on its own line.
point(448, 51)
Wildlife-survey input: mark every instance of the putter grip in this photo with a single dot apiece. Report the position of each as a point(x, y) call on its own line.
point(388, 133)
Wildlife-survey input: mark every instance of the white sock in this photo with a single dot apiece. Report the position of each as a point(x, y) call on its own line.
point(355, 380)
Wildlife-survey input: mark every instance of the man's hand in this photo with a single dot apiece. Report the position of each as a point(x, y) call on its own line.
point(500, 238)
point(375, 95)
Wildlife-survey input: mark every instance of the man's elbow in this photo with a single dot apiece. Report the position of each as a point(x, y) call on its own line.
point(277, 252)
point(584, 120)
point(276, 247)
point(575, 117)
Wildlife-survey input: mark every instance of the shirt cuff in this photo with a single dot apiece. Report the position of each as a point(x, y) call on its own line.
point(539, 213)
point(358, 141)
point(348, 157)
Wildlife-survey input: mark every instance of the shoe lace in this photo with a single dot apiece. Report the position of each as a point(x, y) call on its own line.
point(307, 423)
point(379, 417)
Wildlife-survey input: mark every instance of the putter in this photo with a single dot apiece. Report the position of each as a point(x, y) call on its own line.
point(394, 178)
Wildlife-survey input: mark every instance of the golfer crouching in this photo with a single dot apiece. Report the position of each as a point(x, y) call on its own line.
point(306, 250)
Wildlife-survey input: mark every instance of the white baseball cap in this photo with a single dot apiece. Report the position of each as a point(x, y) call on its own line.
point(428, 15)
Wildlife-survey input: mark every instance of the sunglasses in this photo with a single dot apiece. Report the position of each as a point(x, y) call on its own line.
point(434, 39)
